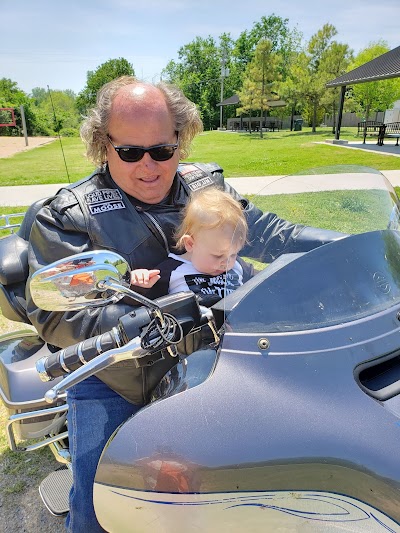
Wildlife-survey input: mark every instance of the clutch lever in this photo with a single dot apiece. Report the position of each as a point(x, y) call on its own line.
point(131, 350)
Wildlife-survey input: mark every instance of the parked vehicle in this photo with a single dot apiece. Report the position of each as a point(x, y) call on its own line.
point(288, 421)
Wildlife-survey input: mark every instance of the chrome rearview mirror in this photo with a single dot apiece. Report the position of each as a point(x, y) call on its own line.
point(84, 280)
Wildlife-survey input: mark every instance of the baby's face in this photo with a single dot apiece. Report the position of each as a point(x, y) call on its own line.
point(214, 251)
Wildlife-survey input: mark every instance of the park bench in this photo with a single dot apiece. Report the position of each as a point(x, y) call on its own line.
point(390, 130)
point(369, 127)
point(273, 125)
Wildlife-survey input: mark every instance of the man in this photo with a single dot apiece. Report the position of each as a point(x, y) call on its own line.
point(136, 134)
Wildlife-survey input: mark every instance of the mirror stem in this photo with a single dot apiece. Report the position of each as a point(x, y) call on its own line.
point(108, 283)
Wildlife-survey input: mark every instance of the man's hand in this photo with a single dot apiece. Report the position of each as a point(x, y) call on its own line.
point(142, 277)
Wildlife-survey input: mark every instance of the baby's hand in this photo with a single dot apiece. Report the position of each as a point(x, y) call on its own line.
point(142, 277)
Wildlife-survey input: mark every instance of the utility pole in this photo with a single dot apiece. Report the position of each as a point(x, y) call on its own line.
point(224, 74)
point(24, 124)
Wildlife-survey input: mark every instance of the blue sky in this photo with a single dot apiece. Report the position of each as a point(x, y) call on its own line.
point(55, 43)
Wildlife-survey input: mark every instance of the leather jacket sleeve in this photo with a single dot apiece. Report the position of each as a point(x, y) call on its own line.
point(59, 231)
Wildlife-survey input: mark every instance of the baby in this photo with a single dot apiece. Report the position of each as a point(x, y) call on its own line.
point(211, 234)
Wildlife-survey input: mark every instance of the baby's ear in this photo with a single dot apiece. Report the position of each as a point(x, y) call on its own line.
point(188, 242)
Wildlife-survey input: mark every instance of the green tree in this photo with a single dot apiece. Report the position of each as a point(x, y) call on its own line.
point(373, 96)
point(198, 75)
point(291, 93)
point(284, 41)
point(261, 77)
point(12, 96)
point(201, 63)
point(309, 74)
point(108, 71)
point(39, 94)
point(59, 109)
point(336, 61)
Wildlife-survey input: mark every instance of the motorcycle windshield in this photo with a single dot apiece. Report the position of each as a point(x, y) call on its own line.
point(301, 284)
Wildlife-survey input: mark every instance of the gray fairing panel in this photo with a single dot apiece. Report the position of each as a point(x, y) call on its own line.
point(292, 417)
point(20, 385)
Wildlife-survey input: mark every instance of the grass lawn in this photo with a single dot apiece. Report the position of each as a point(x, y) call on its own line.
point(281, 153)
point(45, 164)
point(344, 211)
point(239, 154)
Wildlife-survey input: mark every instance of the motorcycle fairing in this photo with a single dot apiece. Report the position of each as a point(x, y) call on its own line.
point(290, 415)
point(355, 282)
point(269, 511)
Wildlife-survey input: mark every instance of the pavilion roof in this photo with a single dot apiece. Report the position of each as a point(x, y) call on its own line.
point(234, 99)
point(382, 67)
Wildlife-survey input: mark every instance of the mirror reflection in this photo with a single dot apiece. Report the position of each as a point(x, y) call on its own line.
point(75, 282)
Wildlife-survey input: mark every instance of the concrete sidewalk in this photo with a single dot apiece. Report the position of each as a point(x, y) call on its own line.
point(26, 195)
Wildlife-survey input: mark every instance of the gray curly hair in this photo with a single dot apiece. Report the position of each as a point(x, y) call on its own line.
point(94, 128)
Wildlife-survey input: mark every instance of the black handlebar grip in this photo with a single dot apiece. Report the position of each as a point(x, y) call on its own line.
point(73, 357)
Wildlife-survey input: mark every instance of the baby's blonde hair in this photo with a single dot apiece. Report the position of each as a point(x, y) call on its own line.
point(212, 208)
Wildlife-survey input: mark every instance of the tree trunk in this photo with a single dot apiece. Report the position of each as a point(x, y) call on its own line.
point(314, 120)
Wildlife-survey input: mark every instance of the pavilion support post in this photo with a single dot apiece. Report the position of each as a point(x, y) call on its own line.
point(340, 112)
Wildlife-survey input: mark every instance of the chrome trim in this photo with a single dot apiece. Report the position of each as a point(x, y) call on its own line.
point(33, 414)
point(62, 363)
point(117, 338)
point(131, 350)
point(41, 370)
point(39, 402)
point(61, 454)
point(42, 443)
point(8, 224)
point(109, 284)
point(80, 354)
point(98, 346)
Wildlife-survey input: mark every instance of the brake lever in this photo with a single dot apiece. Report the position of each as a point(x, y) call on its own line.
point(131, 350)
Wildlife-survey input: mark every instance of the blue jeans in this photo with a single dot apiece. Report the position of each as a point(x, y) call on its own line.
point(95, 411)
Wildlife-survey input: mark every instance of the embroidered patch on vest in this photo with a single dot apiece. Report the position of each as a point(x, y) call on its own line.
point(102, 200)
point(200, 184)
point(195, 177)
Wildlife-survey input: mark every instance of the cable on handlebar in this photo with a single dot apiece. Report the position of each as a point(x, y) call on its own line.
point(156, 334)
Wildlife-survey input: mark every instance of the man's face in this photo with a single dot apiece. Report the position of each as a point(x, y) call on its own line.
point(140, 117)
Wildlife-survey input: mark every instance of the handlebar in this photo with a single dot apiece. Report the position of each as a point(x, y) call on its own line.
point(180, 315)
point(71, 358)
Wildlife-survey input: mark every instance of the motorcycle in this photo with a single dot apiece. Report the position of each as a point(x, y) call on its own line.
point(289, 420)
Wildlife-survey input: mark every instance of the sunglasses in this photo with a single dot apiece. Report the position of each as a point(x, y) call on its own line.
point(132, 154)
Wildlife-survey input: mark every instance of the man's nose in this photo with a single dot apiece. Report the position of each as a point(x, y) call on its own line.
point(147, 160)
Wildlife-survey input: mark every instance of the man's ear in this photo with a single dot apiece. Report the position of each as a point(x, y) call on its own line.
point(188, 241)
